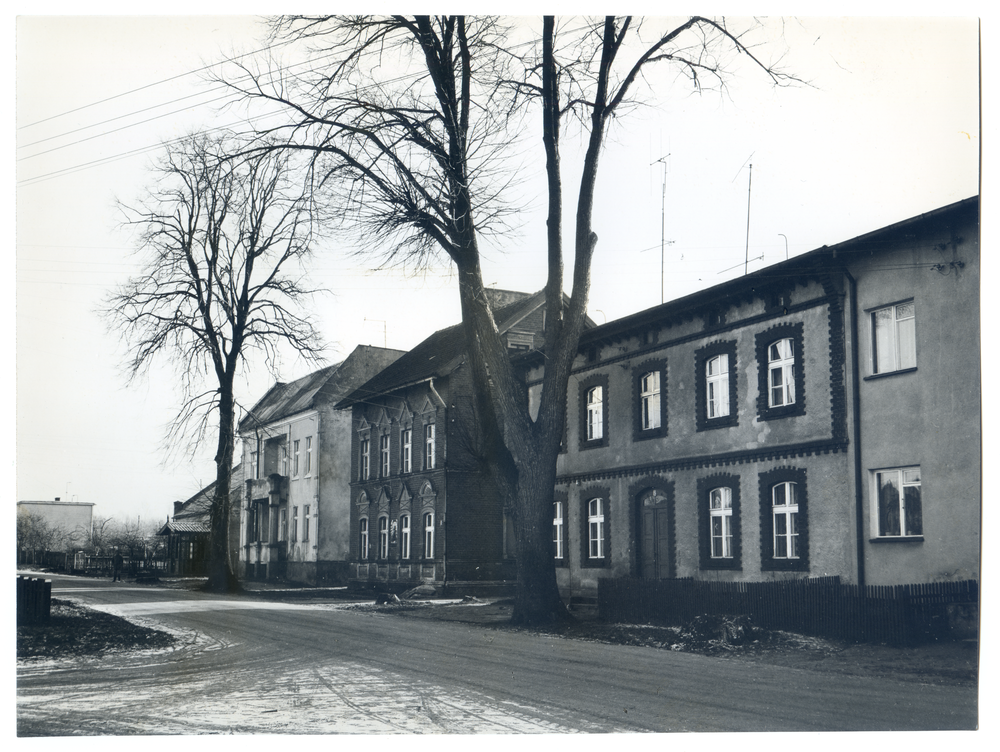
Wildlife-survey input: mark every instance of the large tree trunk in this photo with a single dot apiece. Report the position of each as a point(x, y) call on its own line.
point(221, 574)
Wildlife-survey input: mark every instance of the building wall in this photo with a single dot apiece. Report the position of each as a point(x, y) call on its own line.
point(928, 417)
point(64, 515)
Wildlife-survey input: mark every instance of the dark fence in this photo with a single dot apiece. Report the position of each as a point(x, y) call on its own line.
point(34, 600)
point(900, 614)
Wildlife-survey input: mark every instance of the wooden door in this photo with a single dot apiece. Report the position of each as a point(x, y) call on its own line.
point(654, 537)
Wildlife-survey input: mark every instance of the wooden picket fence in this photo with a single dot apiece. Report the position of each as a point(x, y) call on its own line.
point(823, 607)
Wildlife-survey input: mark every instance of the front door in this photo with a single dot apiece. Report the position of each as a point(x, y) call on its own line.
point(655, 536)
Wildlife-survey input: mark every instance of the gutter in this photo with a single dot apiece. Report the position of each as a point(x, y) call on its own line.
point(856, 411)
point(444, 501)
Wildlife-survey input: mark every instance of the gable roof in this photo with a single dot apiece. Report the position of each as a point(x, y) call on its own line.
point(333, 382)
point(442, 352)
point(193, 514)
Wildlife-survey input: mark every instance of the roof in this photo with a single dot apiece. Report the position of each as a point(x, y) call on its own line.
point(823, 259)
point(59, 503)
point(193, 515)
point(443, 351)
point(285, 400)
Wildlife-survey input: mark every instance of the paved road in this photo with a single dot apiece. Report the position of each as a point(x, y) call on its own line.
point(248, 666)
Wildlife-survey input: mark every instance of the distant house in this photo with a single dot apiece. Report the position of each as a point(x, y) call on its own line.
point(422, 508)
point(819, 417)
point(296, 451)
point(188, 531)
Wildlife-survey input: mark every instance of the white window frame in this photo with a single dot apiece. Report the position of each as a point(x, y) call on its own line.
point(897, 337)
point(284, 459)
point(595, 529)
point(428, 520)
point(383, 537)
point(595, 413)
point(406, 437)
point(781, 373)
point(649, 400)
point(907, 477)
point(717, 386)
point(295, 525)
point(363, 539)
point(720, 522)
point(559, 530)
point(430, 431)
point(254, 465)
point(295, 458)
point(788, 513)
point(309, 455)
point(365, 459)
point(283, 525)
point(404, 536)
point(305, 523)
point(383, 450)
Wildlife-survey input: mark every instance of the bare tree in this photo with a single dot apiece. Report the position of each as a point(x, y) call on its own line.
point(412, 118)
point(224, 239)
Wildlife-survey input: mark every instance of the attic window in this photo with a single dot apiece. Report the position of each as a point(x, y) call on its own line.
point(520, 340)
point(714, 318)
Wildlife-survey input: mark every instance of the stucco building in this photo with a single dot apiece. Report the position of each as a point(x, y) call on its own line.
point(818, 417)
point(294, 515)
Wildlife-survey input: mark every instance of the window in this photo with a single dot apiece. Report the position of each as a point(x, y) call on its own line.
point(785, 508)
point(295, 457)
point(894, 346)
point(305, 522)
point(784, 541)
point(429, 535)
point(558, 531)
point(253, 466)
point(363, 538)
point(283, 526)
point(715, 386)
point(899, 510)
point(720, 504)
point(649, 400)
point(383, 450)
point(309, 454)
point(781, 373)
point(595, 528)
point(406, 438)
point(719, 522)
point(284, 459)
point(781, 376)
point(383, 538)
point(295, 524)
point(365, 467)
point(595, 413)
point(429, 446)
point(404, 537)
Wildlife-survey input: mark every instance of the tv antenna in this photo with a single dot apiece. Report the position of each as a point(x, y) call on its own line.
point(663, 220)
point(746, 261)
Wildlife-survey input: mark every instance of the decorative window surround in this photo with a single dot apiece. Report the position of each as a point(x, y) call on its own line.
point(595, 527)
point(782, 560)
point(587, 411)
point(727, 396)
point(706, 487)
point(649, 400)
point(763, 342)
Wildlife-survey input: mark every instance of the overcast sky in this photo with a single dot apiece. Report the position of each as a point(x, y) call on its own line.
point(888, 128)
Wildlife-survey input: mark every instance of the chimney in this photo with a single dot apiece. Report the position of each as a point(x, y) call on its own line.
point(177, 507)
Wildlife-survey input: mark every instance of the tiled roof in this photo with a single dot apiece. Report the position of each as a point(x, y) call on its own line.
point(193, 513)
point(442, 352)
point(185, 526)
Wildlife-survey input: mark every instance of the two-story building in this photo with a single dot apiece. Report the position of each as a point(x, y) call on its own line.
point(424, 510)
point(817, 417)
point(296, 454)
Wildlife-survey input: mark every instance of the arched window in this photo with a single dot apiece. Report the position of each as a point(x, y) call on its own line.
point(363, 538)
point(428, 535)
point(785, 508)
point(717, 383)
point(404, 537)
point(781, 373)
point(383, 538)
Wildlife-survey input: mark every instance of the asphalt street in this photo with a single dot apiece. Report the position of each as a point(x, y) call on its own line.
point(248, 666)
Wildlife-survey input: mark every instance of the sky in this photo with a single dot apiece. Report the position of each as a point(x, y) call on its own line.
point(887, 128)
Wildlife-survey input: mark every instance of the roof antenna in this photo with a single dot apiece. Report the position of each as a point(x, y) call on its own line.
point(663, 213)
point(746, 261)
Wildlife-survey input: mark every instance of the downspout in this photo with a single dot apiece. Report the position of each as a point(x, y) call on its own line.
point(444, 502)
point(859, 517)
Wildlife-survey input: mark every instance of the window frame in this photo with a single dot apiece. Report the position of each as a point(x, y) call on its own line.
point(404, 537)
point(559, 530)
point(588, 495)
point(305, 522)
point(877, 535)
point(430, 445)
point(705, 486)
point(295, 458)
point(406, 450)
point(762, 345)
point(383, 454)
point(767, 482)
point(382, 552)
point(873, 359)
point(427, 526)
point(702, 357)
point(363, 541)
point(365, 451)
point(294, 527)
point(586, 386)
point(640, 372)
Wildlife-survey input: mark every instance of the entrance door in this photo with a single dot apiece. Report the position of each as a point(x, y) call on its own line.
point(655, 536)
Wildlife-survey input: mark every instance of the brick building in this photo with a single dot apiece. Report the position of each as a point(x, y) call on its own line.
point(817, 417)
